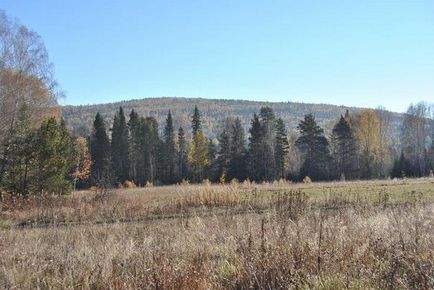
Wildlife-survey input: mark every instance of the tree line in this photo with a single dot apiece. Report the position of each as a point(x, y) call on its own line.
point(359, 147)
point(49, 159)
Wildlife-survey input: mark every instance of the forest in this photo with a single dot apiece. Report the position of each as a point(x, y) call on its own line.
point(359, 147)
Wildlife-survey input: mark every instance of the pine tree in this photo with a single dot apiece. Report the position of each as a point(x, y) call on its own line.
point(168, 156)
point(52, 151)
point(314, 147)
point(401, 167)
point(344, 152)
point(135, 148)
point(281, 148)
point(100, 153)
point(151, 145)
point(256, 165)
point(268, 126)
point(120, 147)
point(237, 164)
point(262, 162)
point(182, 155)
point(18, 154)
point(224, 152)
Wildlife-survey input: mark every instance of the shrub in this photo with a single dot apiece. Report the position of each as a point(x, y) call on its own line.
point(129, 184)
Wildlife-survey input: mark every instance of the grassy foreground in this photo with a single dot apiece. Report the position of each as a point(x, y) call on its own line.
point(356, 235)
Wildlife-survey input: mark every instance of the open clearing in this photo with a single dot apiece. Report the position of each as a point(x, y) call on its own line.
point(373, 234)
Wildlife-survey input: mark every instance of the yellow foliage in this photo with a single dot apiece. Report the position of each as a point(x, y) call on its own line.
point(129, 184)
point(307, 179)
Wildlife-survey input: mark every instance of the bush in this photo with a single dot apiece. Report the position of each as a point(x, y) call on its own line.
point(307, 179)
point(129, 184)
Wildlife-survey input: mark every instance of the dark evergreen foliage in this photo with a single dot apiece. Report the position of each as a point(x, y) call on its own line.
point(344, 152)
point(168, 152)
point(120, 147)
point(183, 171)
point(100, 153)
point(281, 148)
point(314, 147)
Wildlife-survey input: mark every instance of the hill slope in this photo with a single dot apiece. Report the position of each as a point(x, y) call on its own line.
point(80, 118)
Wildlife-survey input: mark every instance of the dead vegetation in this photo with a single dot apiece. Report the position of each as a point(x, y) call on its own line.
point(223, 237)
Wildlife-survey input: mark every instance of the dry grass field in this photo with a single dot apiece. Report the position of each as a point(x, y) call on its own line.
point(350, 235)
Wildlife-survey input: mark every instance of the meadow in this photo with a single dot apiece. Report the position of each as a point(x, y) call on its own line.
point(342, 235)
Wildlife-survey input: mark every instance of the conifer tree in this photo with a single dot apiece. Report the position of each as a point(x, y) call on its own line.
point(262, 162)
point(237, 165)
point(224, 152)
point(268, 128)
point(135, 147)
point(182, 155)
point(100, 153)
point(314, 147)
point(18, 154)
point(401, 167)
point(120, 147)
point(281, 148)
point(151, 144)
point(168, 158)
point(52, 151)
point(344, 149)
point(256, 165)
point(198, 155)
point(196, 123)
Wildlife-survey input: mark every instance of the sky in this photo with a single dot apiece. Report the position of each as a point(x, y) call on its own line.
point(356, 53)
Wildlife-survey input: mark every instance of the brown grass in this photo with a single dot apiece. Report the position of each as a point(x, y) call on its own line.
point(241, 236)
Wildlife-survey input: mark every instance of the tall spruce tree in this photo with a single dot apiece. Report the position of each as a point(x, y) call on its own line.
point(182, 155)
point(262, 162)
point(151, 144)
point(224, 153)
point(196, 123)
point(314, 147)
point(256, 161)
point(100, 153)
point(198, 155)
point(168, 156)
point(268, 128)
point(281, 148)
point(237, 164)
point(120, 147)
point(343, 150)
point(135, 148)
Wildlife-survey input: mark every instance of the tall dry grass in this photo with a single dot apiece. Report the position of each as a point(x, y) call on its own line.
point(222, 237)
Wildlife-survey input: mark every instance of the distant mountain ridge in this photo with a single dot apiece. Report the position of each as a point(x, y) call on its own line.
point(80, 118)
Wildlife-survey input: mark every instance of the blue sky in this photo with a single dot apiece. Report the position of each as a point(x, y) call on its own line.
point(358, 53)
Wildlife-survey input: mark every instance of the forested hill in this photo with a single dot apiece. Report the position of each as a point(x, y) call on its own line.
point(80, 118)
